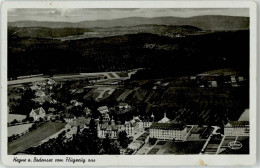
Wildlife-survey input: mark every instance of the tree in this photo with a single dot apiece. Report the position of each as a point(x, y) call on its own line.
point(152, 141)
point(57, 118)
point(106, 144)
point(33, 127)
point(92, 125)
point(46, 105)
point(26, 104)
point(41, 119)
point(31, 119)
point(114, 148)
point(14, 121)
point(77, 111)
point(123, 140)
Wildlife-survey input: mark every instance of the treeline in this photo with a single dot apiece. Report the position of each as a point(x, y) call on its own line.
point(185, 56)
point(43, 32)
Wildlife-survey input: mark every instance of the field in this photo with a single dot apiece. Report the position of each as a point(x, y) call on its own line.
point(26, 80)
point(34, 137)
point(18, 129)
point(169, 147)
point(123, 96)
point(18, 117)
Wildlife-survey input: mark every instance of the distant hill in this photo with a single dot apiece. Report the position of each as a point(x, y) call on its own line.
point(209, 22)
point(80, 33)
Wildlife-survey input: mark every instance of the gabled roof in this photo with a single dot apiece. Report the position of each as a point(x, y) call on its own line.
point(38, 110)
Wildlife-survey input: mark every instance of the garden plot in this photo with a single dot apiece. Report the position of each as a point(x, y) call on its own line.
point(103, 92)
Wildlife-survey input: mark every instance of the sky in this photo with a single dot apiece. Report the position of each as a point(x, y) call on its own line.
point(84, 14)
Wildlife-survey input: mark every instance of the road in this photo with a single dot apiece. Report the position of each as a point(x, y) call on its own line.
point(213, 133)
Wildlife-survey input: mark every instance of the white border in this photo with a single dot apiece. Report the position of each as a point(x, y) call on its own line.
point(135, 160)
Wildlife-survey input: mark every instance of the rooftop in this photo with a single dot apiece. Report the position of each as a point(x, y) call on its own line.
point(167, 126)
point(37, 111)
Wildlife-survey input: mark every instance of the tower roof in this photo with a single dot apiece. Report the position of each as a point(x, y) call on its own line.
point(164, 119)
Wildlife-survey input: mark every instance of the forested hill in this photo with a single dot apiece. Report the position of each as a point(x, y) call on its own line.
point(207, 22)
point(163, 55)
point(73, 33)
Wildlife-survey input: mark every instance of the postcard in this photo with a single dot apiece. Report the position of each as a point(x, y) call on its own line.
point(128, 83)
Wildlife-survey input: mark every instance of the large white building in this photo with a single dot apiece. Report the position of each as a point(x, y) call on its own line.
point(109, 127)
point(167, 130)
point(237, 128)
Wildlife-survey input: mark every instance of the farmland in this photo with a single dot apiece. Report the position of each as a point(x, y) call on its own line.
point(34, 137)
point(18, 117)
point(14, 130)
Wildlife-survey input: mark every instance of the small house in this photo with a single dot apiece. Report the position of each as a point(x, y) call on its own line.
point(37, 114)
